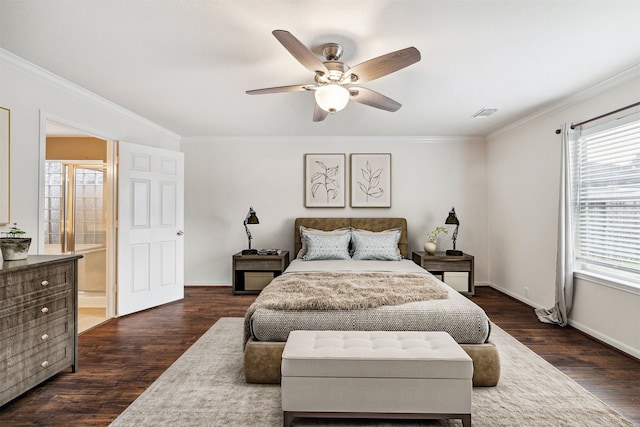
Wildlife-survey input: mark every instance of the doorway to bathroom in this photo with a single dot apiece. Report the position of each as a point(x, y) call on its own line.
point(75, 215)
point(121, 206)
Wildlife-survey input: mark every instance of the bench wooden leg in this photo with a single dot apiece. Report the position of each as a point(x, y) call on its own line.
point(466, 420)
point(288, 417)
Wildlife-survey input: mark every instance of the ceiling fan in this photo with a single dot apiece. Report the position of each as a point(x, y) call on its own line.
point(335, 82)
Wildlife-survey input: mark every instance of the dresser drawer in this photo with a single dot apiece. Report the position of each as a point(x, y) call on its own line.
point(38, 322)
point(20, 287)
point(40, 311)
point(258, 264)
point(33, 366)
point(442, 265)
point(42, 335)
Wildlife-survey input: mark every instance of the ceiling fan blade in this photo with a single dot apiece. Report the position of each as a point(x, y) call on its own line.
point(300, 52)
point(319, 114)
point(383, 65)
point(373, 99)
point(279, 89)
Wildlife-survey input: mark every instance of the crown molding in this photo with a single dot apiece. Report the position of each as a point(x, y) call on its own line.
point(61, 83)
point(602, 86)
point(330, 139)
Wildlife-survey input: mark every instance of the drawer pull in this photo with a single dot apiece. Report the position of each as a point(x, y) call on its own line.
point(44, 310)
point(44, 337)
point(45, 283)
point(44, 364)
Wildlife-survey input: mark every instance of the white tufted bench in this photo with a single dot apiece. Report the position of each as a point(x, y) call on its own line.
point(359, 374)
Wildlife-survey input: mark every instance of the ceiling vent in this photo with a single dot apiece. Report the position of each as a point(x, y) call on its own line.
point(485, 112)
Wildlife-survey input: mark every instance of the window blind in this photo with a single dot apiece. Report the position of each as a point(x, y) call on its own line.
point(607, 201)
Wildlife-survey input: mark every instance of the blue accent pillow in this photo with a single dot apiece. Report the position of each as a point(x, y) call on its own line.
point(378, 246)
point(327, 246)
point(306, 230)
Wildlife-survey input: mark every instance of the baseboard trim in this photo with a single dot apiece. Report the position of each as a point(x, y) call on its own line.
point(207, 284)
point(591, 333)
point(514, 295)
point(91, 301)
point(607, 340)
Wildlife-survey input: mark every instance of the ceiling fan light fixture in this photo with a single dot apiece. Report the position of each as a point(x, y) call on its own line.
point(334, 78)
point(332, 97)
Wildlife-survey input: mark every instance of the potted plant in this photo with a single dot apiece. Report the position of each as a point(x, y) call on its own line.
point(14, 246)
point(430, 245)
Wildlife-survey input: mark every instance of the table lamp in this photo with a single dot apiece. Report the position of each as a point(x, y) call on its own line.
point(453, 219)
point(250, 219)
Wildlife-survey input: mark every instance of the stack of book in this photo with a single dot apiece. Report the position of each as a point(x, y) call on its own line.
point(269, 251)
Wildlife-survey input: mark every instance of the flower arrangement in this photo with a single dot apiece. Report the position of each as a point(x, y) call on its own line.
point(434, 234)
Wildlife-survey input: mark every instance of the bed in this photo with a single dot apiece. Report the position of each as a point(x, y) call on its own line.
point(418, 302)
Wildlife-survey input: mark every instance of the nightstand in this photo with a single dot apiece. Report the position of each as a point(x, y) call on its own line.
point(251, 273)
point(440, 263)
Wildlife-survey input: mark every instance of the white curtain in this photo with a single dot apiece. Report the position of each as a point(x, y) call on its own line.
point(559, 313)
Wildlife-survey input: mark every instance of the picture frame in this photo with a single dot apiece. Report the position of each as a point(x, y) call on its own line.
point(5, 153)
point(370, 180)
point(324, 180)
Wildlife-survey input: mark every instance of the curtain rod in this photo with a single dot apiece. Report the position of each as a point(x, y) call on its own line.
point(573, 126)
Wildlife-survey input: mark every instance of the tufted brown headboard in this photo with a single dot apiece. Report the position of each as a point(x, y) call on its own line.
point(371, 224)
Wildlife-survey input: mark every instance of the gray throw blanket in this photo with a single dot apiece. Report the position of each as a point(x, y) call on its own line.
point(344, 291)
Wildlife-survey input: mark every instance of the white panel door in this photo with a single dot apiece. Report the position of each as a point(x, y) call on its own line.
point(150, 222)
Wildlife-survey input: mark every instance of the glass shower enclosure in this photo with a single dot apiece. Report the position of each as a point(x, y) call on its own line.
point(75, 222)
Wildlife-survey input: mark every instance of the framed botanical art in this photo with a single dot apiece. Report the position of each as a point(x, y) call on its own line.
point(371, 180)
point(324, 180)
point(5, 137)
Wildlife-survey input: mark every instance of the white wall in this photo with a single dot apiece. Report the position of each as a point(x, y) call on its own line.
point(223, 177)
point(505, 191)
point(523, 169)
point(29, 92)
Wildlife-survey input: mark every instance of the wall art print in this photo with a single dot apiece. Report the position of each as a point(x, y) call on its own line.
point(5, 141)
point(324, 180)
point(371, 180)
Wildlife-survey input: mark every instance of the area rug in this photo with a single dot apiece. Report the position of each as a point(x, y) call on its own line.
point(206, 387)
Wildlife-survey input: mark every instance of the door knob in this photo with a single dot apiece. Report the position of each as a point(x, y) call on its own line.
point(180, 232)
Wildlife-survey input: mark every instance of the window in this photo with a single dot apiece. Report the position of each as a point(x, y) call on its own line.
point(606, 171)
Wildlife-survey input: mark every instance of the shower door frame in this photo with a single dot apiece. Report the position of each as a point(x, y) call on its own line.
point(68, 205)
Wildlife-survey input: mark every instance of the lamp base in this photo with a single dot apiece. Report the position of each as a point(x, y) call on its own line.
point(249, 252)
point(454, 252)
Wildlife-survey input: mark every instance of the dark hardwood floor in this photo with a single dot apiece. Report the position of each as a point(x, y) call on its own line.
point(122, 357)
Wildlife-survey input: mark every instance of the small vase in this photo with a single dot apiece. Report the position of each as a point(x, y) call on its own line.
point(14, 248)
point(430, 248)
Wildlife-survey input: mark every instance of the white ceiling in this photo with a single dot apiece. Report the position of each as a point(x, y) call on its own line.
point(186, 64)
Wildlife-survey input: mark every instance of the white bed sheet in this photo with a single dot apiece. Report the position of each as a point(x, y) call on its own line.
point(402, 266)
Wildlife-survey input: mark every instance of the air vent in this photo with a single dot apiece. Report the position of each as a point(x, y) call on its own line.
point(485, 112)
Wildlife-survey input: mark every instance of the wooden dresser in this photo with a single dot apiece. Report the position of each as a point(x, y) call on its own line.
point(38, 321)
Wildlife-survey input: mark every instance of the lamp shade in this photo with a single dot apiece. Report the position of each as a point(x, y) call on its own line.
point(452, 218)
point(251, 217)
point(332, 97)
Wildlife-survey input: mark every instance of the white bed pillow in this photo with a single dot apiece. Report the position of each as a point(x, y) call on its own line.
point(307, 230)
point(390, 231)
point(327, 246)
point(382, 245)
